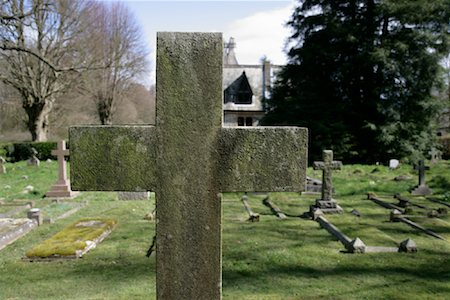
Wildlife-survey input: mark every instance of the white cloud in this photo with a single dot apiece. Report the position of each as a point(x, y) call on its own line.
point(263, 33)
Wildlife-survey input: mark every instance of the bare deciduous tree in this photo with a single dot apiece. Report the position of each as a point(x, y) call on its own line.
point(39, 45)
point(116, 44)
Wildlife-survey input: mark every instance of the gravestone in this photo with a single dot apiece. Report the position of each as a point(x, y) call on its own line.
point(435, 155)
point(33, 160)
point(133, 195)
point(61, 188)
point(421, 189)
point(2, 165)
point(327, 204)
point(394, 164)
point(188, 158)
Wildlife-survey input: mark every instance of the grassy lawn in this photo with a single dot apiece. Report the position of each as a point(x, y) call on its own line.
point(270, 259)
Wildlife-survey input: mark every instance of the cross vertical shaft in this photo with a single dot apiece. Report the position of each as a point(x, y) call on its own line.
point(186, 189)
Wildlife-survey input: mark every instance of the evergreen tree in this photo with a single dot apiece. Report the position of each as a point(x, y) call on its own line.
point(360, 76)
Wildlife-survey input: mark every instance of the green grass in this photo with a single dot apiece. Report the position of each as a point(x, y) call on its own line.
point(270, 259)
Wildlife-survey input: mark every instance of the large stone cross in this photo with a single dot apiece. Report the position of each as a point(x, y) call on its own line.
point(421, 168)
point(188, 159)
point(327, 165)
point(421, 189)
point(62, 187)
point(327, 204)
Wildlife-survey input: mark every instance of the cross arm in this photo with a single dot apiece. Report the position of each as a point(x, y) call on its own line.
point(112, 158)
point(318, 165)
point(262, 159)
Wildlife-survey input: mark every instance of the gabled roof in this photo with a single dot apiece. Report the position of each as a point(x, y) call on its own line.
point(239, 91)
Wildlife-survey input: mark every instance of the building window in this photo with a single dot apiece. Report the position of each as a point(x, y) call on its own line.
point(248, 121)
point(240, 121)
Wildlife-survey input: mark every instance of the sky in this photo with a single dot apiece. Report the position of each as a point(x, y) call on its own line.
point(257, 26)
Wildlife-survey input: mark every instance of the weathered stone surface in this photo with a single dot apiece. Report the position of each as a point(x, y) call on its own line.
point(112, 158)
point(276, 154)
point(182, 161)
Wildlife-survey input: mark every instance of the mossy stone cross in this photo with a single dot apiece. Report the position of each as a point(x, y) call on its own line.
point(188, 159)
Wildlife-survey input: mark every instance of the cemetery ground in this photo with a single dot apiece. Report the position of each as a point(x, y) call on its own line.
point(291, 258)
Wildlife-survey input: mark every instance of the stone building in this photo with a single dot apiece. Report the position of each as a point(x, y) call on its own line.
point(244, 87)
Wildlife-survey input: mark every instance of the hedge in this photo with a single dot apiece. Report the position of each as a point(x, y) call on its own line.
point(15, 152)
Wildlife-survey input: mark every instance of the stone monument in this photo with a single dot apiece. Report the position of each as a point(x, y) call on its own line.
point(435, 155)
point(327, 204)
point(61, 189)
point(2, 165)
point(421, 189)
point(33, 160)
point(188, 158)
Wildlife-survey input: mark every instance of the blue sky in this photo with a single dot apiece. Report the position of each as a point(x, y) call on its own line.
point(257, 26)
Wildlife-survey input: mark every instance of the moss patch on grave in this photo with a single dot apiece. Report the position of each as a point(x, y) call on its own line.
point(73, 238)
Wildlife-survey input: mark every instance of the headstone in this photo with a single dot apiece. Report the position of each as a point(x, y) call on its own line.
point(2, 165)
point(33, 161)
point(61, 188)
point(133, 195)
point(327, 204)
point(421, 189)
point(35, 214)
point(394, 164)
point(356, 213)
point(435, 155)
point(188, 158)
point(357, 246)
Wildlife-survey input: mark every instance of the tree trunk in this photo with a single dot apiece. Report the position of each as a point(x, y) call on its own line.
point(104, 109)
point(38, 121)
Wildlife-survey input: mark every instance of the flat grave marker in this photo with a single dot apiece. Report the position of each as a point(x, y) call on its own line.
point(188, 158)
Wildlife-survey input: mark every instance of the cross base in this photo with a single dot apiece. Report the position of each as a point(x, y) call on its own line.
point(421, 190)
point(61, 190)
point(327, 207)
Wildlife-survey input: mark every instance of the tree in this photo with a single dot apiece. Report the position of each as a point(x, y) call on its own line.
point(116, 44)
point(38, 43)
point(360, 76)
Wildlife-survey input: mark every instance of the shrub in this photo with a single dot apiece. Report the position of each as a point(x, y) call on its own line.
point(22, 151)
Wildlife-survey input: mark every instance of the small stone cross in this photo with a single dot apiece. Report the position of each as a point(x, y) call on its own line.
point(435, 155)
point(188, 158)
point(62, 187)
point(422, 188)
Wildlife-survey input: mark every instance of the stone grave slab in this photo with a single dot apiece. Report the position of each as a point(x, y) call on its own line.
point(13, 229)
point(74, 241)
point(188, 158)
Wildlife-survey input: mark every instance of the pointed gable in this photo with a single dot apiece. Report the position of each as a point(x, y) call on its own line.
point(239, 91)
